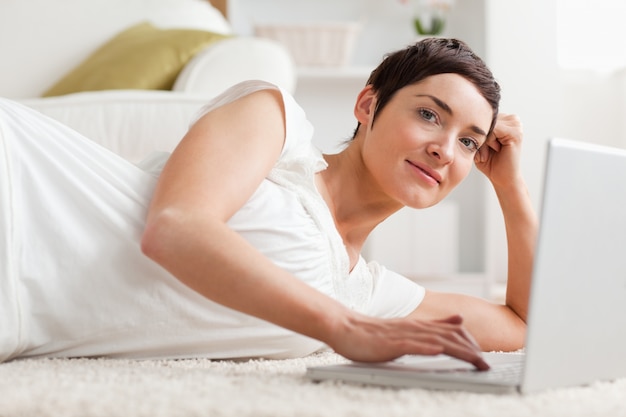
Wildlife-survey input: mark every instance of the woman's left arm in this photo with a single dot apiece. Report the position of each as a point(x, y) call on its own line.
point(499, 327)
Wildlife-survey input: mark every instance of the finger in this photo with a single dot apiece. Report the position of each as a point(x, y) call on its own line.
point(508, 128)
point(474, 357)
point(494, 143)
point(460, 330)
point(454, 319)
point(454, 346)
point(483, 153)
point(449, 344)
point(460, 349)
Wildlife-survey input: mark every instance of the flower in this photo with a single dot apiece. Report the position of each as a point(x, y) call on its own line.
point(429, 16)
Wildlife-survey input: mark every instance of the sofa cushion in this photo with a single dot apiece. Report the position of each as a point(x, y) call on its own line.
point(140, 57)
point(131, 123)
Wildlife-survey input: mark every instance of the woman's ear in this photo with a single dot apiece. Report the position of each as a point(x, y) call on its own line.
point(365, 105)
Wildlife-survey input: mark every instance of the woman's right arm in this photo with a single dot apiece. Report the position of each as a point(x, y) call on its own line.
point(216, 168)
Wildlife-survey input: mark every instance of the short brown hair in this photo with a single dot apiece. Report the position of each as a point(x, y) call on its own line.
point(430, 57)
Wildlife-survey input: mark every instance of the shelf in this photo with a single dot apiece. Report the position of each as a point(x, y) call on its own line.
point(335, 73)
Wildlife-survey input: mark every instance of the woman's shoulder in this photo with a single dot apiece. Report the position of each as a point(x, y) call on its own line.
point(233, 93)
point(298, 129)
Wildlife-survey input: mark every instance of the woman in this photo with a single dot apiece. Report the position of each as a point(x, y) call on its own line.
point(245, 241)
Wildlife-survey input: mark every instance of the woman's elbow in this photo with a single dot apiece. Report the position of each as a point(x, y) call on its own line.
point(512, 334)
point(157, 235)
point(518, 337)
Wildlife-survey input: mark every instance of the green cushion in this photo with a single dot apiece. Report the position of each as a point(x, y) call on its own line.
point(141, 57)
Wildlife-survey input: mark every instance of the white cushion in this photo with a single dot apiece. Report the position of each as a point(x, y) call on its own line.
point(131, 123)
point(237, 59)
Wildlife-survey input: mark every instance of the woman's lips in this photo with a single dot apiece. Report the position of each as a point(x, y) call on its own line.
point(429, 173)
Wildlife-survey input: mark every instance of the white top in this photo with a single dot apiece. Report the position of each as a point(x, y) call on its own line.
point(73, 280)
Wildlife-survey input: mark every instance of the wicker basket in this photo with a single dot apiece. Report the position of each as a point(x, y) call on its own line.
point(314, 44)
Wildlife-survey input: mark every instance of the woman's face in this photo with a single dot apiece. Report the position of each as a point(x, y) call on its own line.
point(422, 143)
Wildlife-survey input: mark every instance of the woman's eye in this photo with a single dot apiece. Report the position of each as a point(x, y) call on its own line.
point(428, 115)
point(470, 144)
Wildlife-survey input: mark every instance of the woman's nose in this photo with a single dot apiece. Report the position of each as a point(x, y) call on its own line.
point(442, 149)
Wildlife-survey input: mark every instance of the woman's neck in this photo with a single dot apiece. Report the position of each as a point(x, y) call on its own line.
point(353, 197)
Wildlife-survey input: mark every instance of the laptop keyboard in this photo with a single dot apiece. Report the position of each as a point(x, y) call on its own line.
point(500, 372)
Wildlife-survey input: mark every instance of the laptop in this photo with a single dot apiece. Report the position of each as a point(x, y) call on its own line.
point(576, 330)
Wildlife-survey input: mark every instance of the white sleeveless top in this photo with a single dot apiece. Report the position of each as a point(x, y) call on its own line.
point(73, 280)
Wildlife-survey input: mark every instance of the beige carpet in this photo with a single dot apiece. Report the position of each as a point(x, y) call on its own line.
point(112, 387)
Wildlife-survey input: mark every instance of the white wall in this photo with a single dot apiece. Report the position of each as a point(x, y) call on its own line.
point(522, 51)
point(594, 107)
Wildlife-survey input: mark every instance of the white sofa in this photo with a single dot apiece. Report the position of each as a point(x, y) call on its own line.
point(42, 40)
